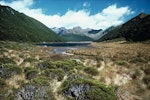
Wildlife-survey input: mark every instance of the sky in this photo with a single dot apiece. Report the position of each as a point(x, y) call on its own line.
point(95, 14)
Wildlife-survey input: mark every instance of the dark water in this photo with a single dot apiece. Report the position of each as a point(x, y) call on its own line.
point(62, 47)
point(65, 44)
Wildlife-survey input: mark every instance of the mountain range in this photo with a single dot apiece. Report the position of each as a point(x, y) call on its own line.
point(79, 34)
point(15, 26)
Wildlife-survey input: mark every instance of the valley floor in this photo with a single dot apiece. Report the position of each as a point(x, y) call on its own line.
point(109, 70)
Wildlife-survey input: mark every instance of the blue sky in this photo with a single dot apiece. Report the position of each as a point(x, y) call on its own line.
point(85, 13)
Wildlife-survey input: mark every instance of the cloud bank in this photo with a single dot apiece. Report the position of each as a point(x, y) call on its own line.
point(111, 15)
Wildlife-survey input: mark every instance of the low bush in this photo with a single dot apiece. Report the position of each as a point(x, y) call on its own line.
point(80, 87)
point(66, 65)
point(91, 70)
point(40, 81)
point(46, 65)
point(6, 60)
point(9, 70)
point(55, 73)
point(30, 72)
point(2, 83)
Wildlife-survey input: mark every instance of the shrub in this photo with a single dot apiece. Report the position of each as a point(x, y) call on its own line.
point(30, 59)
point(66, 65)
point(34, 92)
point(6, 60)
point(30, 72)
point(45, 65)
point(2, 83)
point(9, 70)
point(77, 87)
point(40, 81)
point(91, 70)
point(55, 73)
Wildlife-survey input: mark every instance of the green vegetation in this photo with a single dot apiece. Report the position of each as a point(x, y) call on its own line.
point(55, 74)
point(9, 70)
point(66, 65)
point(15, 26)
point(91, 70)
point(77, 86)
point(121, 63)
point(136, 29)
point(30, 72)
point(2, 83)
point(73, 37)
point(46, 65)
point(6, 60)
point(40, 81)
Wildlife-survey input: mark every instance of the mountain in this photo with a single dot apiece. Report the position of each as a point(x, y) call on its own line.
point(15, 26)
point(136, 29)
point(74, 37)
point(77, 33)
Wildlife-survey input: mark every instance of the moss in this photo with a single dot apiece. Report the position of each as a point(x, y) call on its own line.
point(31, 72)
point(91, 70)
point(9, 70)
point(55, 73)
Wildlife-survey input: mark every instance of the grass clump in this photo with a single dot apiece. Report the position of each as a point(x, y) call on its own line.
point(91, 70)
point(55, 74)
point(30, 72)
point(121, 63)
point(9, 70)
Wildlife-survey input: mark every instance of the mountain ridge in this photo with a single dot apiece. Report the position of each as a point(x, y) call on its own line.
point(15, 26)
point(136, 29)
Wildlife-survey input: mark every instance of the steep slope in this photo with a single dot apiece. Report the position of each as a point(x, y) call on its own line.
point(136, 29)
point(73, 37)
point(15, 26)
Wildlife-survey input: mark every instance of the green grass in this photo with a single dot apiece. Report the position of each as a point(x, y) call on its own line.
point(91, 70)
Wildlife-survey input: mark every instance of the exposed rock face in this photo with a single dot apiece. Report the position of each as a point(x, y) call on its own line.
point(30, 92)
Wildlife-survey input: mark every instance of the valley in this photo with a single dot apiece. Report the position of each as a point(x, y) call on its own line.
point(122, 65)
point(76, 55)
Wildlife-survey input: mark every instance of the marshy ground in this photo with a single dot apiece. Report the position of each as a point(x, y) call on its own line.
point(109, 70)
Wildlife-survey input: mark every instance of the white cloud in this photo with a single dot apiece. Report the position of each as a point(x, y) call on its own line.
point(112, 15)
